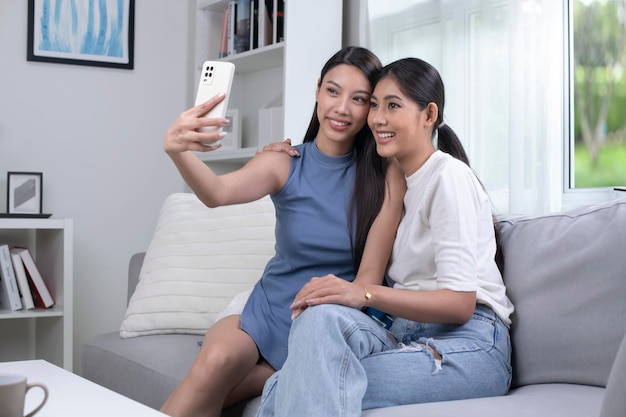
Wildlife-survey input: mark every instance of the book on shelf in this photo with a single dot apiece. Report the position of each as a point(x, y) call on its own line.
point(10, 293)
point(278, 19)
point(243, 26)
point(231, 35)
point(265, 22)
point(22, 281)
point(254, 23)
point(224, 38)
point(41, 295)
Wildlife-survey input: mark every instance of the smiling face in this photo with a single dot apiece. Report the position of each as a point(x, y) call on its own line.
point(401, 127)
point(342, 107)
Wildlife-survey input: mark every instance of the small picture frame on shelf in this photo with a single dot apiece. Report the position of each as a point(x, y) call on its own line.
point(24, 192)
point(232, 140)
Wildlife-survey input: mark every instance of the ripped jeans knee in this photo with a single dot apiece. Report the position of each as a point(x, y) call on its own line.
point(418, 346)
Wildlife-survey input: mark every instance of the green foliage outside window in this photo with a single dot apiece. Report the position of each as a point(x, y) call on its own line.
point(599, 93)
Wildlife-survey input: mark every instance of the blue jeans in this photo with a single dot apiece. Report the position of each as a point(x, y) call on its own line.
point(341, 362)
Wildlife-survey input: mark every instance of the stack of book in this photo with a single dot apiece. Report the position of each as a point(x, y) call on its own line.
point(21, 283)
point(251, 24)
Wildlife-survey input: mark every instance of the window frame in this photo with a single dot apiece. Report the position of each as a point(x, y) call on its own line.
point(572, 197)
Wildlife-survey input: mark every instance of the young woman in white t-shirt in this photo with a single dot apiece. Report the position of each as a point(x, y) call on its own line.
point(450, 336)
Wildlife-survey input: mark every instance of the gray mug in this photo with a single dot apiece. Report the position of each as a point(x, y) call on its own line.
point(13, 389)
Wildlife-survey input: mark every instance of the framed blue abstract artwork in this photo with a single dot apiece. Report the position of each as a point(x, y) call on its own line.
point(82, 32)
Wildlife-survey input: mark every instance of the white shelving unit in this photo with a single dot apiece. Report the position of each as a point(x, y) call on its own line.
point(42, 333)
point(284, 72)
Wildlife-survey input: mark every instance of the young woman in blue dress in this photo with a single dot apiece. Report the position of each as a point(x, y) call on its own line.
point(337, 209)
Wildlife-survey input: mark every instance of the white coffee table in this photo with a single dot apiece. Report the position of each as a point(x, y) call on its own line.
point(73, 396)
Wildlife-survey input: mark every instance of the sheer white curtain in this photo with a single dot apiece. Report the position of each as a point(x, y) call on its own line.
point(502, 63)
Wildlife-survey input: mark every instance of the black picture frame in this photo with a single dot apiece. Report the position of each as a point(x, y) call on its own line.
point(24, 193)
point(64, 36)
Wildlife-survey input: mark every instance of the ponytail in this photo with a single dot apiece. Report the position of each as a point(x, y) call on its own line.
point(448, 142)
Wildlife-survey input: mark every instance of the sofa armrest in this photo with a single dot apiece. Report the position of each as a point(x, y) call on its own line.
point(134, 267)
point(614, 402)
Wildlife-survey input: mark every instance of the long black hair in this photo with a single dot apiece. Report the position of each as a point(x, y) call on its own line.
point(369, 186)
point(421, 82)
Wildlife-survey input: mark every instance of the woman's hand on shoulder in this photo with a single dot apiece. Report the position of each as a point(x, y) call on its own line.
point(185, 133)
point(266, 173)
point(284, 146)
point(329, 289)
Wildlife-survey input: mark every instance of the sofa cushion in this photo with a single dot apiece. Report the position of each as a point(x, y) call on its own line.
point(197, 261)
point(549, 400)
point(566, 275)
point(146, 369)
point(614, 401)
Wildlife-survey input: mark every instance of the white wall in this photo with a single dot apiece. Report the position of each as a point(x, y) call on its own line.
point(96, 134)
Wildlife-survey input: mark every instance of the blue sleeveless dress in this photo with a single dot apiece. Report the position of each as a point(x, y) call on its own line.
point(312, 240)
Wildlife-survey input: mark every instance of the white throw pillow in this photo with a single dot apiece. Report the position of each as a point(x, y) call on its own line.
point(198, 260)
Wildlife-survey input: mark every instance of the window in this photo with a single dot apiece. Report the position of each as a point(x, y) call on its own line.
point(505, 67)
point(598, 79)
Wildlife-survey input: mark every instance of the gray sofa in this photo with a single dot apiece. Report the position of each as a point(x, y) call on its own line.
point(566, 275)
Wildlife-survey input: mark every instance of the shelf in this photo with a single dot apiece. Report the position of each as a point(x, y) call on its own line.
point(266, 57)
point(209, 15)
point(272, 75)
point(53, 311)
point(213, 5)
point(241, 155)
point(32, 223)
point(259, 59)
point(42, 333)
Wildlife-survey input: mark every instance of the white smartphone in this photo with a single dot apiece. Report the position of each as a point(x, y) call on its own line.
point(216, 77)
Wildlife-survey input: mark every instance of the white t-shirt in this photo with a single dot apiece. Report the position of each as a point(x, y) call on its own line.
point(446, 238)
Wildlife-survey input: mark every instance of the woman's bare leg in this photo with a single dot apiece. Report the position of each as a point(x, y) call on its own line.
point(226, 357)
point(252, 384)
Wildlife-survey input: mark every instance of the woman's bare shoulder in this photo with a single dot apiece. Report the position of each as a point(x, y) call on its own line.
point(275, 164)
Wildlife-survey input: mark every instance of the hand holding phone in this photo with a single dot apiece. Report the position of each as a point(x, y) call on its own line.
point(216, 77)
